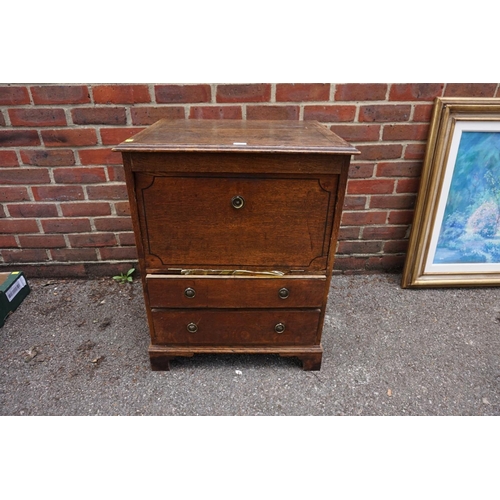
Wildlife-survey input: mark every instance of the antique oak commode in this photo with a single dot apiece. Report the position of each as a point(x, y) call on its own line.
point(236, 228)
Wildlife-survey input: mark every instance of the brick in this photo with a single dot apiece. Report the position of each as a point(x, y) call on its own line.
point(423, 112)
point(406, 132)
point(349, 233)
point(37, 117)
point(74, 254)
point(349, 263)
point(399, 169)
point(122, 208)
point(47, 157)
point(149, 115)
point(393, 201)
point(387, 263)
point(362, 171)
point(126, 239)
point(384, 113)
point(360, 92)
point(25, 255)
point(116, 173)
point(2, 119)
point(26, 210)
point(8, 159)
point(8, 241)
point(415, 91)
point(60, 94)
point(92, 240)
point(14, 194)
point(330, 113)
point(120, 94)
point(253, 92)
point(408, 185)
point(107, 192)
point(82, 175)
point(101, 156)
point(113, 136)
point(173, 94)
point(54, 270)
point(69, 137)
point(85, 209)
point(377, 152)
point(300, 92)
point(357, 247)
point(11, 96)
point(57, 193)
point(400, 217)
point(354, 202)
point(415, 151)
point(70, 225)
point(22, 175)
point(363, 218)
point(113, 224)
point(99, 116)
point(357, 133)
point(2, 212)
point(273, 112)
point(13, 138)
point(106, 269)
point(215, 112)
point(18, 226)
point(118, 253)
point(42, 241)
point(385, 232)
point(470, 89)
point(396, 246)
point(370, 186)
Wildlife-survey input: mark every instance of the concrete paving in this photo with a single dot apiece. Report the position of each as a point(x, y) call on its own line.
point(79, 347)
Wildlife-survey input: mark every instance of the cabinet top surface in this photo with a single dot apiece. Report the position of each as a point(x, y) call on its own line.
point(237, 136)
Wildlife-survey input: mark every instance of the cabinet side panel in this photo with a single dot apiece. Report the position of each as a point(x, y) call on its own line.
point(138, 234)
point(339, 204)
point(134, 213)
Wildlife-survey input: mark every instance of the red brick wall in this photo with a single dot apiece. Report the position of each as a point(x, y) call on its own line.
point(63, 202)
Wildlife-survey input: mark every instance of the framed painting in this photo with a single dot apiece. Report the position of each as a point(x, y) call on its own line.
point(455, 235)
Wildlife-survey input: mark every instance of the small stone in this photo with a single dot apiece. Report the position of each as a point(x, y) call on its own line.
point(30, 354)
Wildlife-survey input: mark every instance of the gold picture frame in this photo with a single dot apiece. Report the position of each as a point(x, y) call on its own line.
point(455, 235)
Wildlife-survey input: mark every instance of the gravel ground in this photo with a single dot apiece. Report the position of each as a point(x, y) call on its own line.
point(77, 347)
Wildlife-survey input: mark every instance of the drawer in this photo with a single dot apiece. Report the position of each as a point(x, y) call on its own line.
point(235, 292)
point(230, 327)
point(235, 222)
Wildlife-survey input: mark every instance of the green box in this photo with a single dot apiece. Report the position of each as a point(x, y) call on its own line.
point(13, 290)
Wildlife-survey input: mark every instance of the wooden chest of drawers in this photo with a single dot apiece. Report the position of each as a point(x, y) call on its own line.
point(236, 227)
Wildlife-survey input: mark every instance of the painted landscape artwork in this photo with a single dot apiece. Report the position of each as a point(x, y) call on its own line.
point(470, 230)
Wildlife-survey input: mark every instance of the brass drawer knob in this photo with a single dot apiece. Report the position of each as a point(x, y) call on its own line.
point(279, 328)
point(192, 328)
point(189, 293)
point(237, 201)
point(283, 293)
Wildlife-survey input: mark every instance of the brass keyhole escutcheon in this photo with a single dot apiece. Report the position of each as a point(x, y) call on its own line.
point(192, 328)
point(189, 293)
point(237, 201)
point(283, 293)
point(279, 328)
